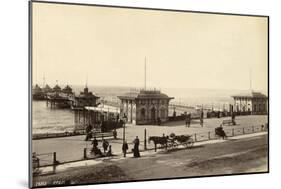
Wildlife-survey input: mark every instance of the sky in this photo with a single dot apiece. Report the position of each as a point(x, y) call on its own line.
point(108, 47)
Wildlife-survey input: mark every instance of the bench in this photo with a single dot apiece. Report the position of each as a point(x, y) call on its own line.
point(228, 122)
point(103, 135)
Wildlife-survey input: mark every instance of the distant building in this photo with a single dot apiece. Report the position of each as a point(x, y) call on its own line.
point(67, 90)
point(37, 93)
point(145, 106)
point(57, 89)
point(47, 89)
point(251, 102)
point(37, 89)
point(85, 98)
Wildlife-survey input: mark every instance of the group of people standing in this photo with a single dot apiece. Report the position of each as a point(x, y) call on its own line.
point(135, 150)
point(107, 149)
point(188, 119)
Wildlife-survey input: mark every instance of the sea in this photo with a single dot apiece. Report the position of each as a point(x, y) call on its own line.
point(47, 120)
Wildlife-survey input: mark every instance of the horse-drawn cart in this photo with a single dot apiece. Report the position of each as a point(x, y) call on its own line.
point(172, 141)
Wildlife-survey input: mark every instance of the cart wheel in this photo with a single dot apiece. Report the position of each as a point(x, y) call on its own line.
point(189, 143)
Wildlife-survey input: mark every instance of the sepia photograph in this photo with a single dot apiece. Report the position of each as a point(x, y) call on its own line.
point(123, 94)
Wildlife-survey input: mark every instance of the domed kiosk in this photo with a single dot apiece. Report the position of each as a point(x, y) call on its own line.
point(145, 106)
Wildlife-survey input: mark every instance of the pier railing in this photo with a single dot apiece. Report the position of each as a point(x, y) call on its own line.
point(230, 132)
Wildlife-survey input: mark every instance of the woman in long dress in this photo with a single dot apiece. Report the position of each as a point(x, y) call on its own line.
point(136, 147)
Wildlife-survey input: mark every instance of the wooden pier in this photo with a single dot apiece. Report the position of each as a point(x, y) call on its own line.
point(58, 101)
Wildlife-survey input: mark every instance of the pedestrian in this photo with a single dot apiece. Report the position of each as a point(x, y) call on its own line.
point(185, 116)
point(105, 145)
point(125, 148)
point(95, 143)
point(115, 134)
point(189, 120)
point(89, 128)
point(201, 118)
point(109, 153)
point(233, 119)
point(174, 115)
point(136, 147)
point(117, 118)
point(88, 131)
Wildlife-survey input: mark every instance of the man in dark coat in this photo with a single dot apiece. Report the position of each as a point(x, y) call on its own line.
point(188, 119)
point(233, 119)
point(125, 148)
point(109, 153)
point(105, 145)
point(88, 132)
point(115, 134)
point(185, 115)
point(95, 143)
point(136, 147)
point(202, 118)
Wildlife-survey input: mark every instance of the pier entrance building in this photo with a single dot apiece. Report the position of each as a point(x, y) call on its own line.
point(145, 106)
point(251, 103)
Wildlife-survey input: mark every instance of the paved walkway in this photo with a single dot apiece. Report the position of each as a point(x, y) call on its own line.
point(71, 148)
point(63, 167)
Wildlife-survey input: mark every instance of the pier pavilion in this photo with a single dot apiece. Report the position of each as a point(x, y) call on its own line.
point(251, 102)
point(47, 89)
point(58, 100)
point(37, 93)
point(85, 98)
point(145, 106)
point(67, 90)
point(57, 89)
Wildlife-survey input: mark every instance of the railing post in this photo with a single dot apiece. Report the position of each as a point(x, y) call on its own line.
point(232, 131)
point(209, 135)
point(243, 130)
point(145, 148)
point(55, 158)
point(195, 137)
point(85, 153)
point(253, 129)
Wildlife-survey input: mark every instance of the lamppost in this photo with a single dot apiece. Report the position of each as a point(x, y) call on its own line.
point(124, 120)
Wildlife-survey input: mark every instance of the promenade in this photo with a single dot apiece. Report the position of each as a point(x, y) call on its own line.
point(71, 148)
point(248, 153)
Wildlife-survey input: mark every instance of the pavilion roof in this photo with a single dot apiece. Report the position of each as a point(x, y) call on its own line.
point(250, 94)
point(145, 94)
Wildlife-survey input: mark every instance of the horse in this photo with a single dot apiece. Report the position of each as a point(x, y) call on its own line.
point(220, 132)
point(163, 141)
